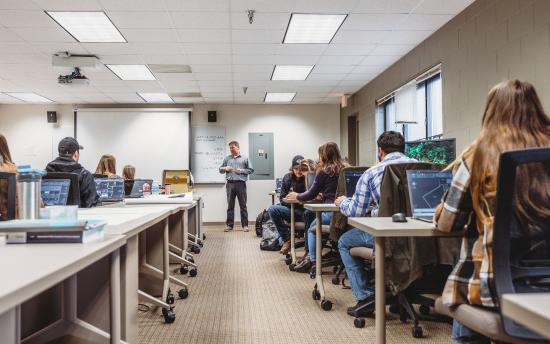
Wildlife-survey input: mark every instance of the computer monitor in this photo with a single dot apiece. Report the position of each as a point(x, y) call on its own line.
point(110, 189)
point(55, 191)
point(351, 179)
point(426, 189)
point(74, 187)
point(435, 151)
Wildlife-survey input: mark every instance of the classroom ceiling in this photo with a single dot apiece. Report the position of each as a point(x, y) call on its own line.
point(214, 37)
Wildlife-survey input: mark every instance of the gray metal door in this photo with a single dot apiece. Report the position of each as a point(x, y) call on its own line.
point(261, 155)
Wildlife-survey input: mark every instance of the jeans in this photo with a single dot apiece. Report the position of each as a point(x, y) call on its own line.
point(308, 217)
point(280, 215)
point(463, 335)
point(325, 220)
point(355, 267)
point(236, 189)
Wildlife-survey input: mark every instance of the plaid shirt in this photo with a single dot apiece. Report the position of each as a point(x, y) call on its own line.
point(367, 191)
point(471, 281)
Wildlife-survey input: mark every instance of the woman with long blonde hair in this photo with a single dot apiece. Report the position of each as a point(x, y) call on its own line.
point(513, 119)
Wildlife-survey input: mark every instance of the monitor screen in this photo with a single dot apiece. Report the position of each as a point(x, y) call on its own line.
point(55, 191)
point(352, 177)
point(434, 151)
point(110, 189)
point(426, 189)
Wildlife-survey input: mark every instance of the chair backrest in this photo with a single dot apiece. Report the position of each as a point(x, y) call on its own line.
point(512, 272)
point(74, 188)
point(8, 193)
point(97, 175)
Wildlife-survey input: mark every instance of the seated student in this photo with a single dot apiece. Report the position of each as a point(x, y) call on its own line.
point(325, 183)
point(391, 148)
point(69, 152)
point(513, 119)
point(279, 213)
point(6, 165)
point(107, 166)
point(128, 172)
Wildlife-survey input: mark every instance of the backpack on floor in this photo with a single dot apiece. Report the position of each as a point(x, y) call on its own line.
point(260, 219)
point(271, 240)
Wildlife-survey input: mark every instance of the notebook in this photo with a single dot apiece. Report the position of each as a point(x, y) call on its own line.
point(426, 189)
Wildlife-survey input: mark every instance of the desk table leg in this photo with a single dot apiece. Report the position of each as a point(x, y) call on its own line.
point(292, 234)
point(165, 260)
point(380, 291)
point(115, 297)
point(325, 304)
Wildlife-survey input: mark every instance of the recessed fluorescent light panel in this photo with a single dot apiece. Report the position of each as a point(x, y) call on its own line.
point(313, 28)
point(156, 97)
point(29, 97)
point(88, 27)
point(291, 72)
point(279, 97)
point(132, 72)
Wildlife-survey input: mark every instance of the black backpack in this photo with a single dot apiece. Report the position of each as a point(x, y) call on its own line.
point(260, 219)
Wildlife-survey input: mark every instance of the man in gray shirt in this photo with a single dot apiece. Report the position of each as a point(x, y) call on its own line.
point(236, 168)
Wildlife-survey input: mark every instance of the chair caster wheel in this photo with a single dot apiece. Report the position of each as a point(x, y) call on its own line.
point(291, 267)
point(169, 315)
point(326, 305)
point(203, 236)
point(184, 269)
point(359, 322)
point(193, 272)
point(312, 274)
point(170, 298)
point(424, 310)
point(417, 332)
point(288, 261)
point(287, 256)
point(196, 250)
point(191, 259)
point(335, 280)
point(315, 295)
point(183, 293)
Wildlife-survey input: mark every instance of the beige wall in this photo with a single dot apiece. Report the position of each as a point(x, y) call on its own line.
point(488, 42)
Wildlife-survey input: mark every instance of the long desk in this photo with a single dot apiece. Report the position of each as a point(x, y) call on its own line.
point(530, 310)
point(28, 270)
point(319, 289)
point(381, 228)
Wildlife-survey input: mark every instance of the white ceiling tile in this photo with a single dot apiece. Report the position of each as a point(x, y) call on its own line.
point(340, 60)
point(257, 36)
point(140, 19)
point(69, 5)
point(303, 49)
point(251, 76)
point(281, 6)
point(350, 49)
point(371, 21)
point(407, 37)
point(438, 7)
point(262, 20)
point(205, 83)
point(34, 59)
point(424, 22)
point(332, 69)
point(197, 5)
point(204, 36)
point(7, 35)
point(208, 59)
point(51, 48)
point(18, 18)
point(18, 5)
point(52, 34)
point(19, 48)
point(175, 77)
point(131, 5)
point(386, 6)
point(210, 49)
point(400, 49)
point(213, 76)
point(361, 77)
point(260, 68)
point(324, 6)
point(369, 69)
point(313, 82)
point(153, 48)
point(319, 76)
point(165, 59)
point(150, 35)
point(379, 60)
point(222, 68)
point(359, 37)
point(201, 20)
point(180, 87)
point(255, 49)
point(104, 49)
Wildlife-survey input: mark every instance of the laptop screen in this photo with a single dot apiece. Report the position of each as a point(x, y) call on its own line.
point(110, 189)
point(352, 177)
point(140, 187)
point(426, 188)
point(55, 191)
point(278, 185)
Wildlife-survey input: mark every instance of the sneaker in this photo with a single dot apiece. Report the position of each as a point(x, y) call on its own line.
point(286, 247)
point(228, 229)
point(363, 308)
point(245, 228)
point(304, 266)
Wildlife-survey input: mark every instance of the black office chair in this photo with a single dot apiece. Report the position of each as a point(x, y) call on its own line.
point(514, 272)
point(10, 180)
point(74, 188)
point(97, 175)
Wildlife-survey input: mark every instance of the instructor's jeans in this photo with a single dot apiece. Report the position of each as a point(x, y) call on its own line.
point(236, 189)
point(355, 267)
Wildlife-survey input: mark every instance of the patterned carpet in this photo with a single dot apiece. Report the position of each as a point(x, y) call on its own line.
point(244, 295)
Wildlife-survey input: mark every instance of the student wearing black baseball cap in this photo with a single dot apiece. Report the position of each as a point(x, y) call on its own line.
point(67, 161)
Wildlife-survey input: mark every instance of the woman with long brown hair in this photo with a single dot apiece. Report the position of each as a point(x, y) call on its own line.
point(107, 166)
point(128, 172)
point(513, 119)
point(6, 165)
point(324, 189)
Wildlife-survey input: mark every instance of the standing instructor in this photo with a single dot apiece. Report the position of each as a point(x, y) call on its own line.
point(236, 169)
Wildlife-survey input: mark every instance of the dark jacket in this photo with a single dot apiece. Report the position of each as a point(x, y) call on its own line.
point(322, 184)
point(291, 183)
point(88, 193)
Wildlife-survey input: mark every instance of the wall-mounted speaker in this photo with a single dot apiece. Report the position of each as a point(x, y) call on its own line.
point(52, 116)
point(212, 116)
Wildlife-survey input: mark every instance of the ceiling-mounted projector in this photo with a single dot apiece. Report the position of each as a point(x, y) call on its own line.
point(75, 78)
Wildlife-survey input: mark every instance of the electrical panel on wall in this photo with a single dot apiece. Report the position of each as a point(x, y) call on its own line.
point(261, 155)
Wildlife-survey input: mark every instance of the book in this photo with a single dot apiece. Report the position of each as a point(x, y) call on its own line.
point(46, 231)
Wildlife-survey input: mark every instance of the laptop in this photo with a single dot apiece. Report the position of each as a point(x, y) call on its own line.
point(138, 188)
point(278, 185)
point(55, 191)
point(351, 179)
point(110, 189)
point(426, 188)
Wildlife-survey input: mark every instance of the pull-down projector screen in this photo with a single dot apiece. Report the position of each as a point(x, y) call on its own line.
point(152, 140)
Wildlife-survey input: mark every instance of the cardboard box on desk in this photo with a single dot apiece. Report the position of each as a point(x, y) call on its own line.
point(177, 179)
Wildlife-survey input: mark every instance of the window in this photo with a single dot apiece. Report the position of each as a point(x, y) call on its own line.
point(429, 112)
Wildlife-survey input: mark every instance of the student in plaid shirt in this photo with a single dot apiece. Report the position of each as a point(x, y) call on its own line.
point(513, 119)
point(391, 146)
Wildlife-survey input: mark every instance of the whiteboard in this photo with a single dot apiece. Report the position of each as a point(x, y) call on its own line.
point(152, 140)
point(207, 153)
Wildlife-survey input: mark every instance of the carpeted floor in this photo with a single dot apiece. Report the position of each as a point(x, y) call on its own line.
point(244, 295)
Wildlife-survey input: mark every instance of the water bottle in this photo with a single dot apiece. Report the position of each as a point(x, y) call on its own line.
point(28, 190)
